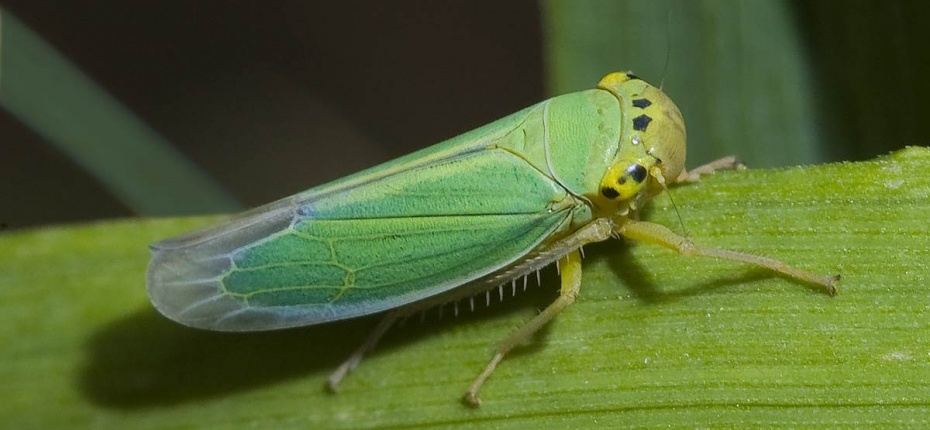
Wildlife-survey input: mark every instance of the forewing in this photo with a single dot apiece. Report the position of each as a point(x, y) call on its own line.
point(342, 251)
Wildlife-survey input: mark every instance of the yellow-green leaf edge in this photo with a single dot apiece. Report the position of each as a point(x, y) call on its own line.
point(655, 340)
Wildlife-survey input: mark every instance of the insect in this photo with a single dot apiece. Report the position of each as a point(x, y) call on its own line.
point(464, 217)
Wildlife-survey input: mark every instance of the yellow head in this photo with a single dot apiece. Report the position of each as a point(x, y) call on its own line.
point(652, 145)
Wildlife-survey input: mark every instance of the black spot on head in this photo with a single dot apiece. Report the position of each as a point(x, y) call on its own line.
point(641, 122)
point(610, 193)
point(621, 180)
point(642, 103)
point(636, 171)
point(632, 76)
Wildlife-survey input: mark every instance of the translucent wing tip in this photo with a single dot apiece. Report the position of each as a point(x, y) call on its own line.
point(189, 291)
point(184, 277)
point(185, 285)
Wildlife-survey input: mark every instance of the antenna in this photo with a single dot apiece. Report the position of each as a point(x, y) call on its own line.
point(660, 178)
point(677, 212)
point(668, 47)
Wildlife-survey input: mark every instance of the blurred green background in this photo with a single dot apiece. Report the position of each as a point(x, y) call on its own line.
point(178, 107)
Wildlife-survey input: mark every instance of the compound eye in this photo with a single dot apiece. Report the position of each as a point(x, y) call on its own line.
point(626, 183)
point(636, 172)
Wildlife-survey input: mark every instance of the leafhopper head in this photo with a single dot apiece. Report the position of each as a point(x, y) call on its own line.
point(652, 146)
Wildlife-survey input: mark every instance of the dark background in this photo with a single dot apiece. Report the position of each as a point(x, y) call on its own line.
point(274, 99)
point(252, 93)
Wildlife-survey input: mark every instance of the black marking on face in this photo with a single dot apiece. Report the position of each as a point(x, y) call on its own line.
point(641, 122)
point(610, 193)
point(636, 171)
point(642, 103)
point(632, 76)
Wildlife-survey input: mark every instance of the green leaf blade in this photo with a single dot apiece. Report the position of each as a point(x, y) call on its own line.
point(655, 340)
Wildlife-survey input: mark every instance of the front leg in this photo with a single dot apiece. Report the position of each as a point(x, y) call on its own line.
point(660, 235)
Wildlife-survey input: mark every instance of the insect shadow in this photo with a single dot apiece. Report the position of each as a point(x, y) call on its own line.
point(143, 360)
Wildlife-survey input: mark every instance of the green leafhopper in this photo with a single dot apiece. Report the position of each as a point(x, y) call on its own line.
point(461, 218)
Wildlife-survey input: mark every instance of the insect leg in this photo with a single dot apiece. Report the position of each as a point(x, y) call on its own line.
point(660, 235)
point(694, 175)
point(352, 362)
point(571, 284)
